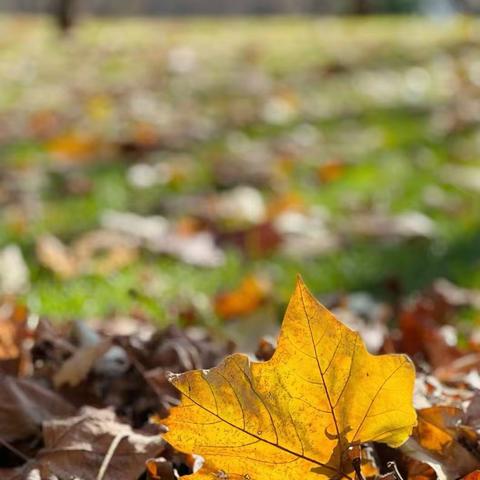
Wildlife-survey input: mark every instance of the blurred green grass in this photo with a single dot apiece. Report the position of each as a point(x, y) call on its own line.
point(385, 133)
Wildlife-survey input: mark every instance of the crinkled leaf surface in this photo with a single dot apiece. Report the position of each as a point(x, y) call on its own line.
point(296, 415)
point(76, 447)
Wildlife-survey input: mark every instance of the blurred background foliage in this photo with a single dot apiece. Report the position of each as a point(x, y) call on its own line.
point(190, 168)
point(189, 7)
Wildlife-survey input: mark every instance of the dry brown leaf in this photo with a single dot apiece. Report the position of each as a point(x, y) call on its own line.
point(160, 469)
point(78, 446)
point(78, 366)
point(256, 241)
point(421, 335)
point(103, 252)
point(440, 441)
point(56, 256)
point(25, 405)
point(99, 252)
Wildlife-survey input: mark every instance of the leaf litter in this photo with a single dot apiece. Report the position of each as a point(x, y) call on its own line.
point(88, 399)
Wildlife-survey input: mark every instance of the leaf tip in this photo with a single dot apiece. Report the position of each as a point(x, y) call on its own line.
point(300, 281)
point(300, 285)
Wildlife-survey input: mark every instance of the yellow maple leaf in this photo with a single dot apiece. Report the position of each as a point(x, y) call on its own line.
point(295, 416)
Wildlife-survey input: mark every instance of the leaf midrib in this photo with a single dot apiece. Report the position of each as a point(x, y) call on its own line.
point(327, 394)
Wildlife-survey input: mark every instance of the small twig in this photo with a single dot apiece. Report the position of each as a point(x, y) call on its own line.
point(355, 454)
point(108, 457)
point(357, 466)
point(14, 450)
point(395, 471)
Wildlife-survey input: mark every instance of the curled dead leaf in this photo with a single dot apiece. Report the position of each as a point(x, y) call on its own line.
point(78, 366)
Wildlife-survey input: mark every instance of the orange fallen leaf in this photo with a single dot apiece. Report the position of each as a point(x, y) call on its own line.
point(472, 476)
point(436, 428)
point(152, 469)
point(297, 415)
point(73, 147)
point(145, 134)
point(249, 296)
point(290, 201)
point(331, 170)
point(441, 441)
point(419, 470)
point(13, 332)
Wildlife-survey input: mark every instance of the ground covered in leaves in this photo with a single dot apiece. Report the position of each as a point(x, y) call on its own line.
point(89, 402)
point(145, 168)
point(159, 192)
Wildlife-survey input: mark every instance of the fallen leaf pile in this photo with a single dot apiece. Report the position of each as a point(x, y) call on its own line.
point(81, 391)
point(125, 401)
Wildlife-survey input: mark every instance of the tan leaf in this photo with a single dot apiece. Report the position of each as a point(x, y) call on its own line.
point(78, 446)
point(78, 366)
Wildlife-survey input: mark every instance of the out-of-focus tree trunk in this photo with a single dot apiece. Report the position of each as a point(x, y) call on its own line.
point(65, 14)
point(324, 6)
point(467, 6)
point(361, 7)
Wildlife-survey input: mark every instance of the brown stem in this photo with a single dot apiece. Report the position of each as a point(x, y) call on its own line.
point(357, 467)
point(14, 450)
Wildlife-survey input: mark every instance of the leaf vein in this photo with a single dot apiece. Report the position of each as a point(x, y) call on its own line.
point(372, 401)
